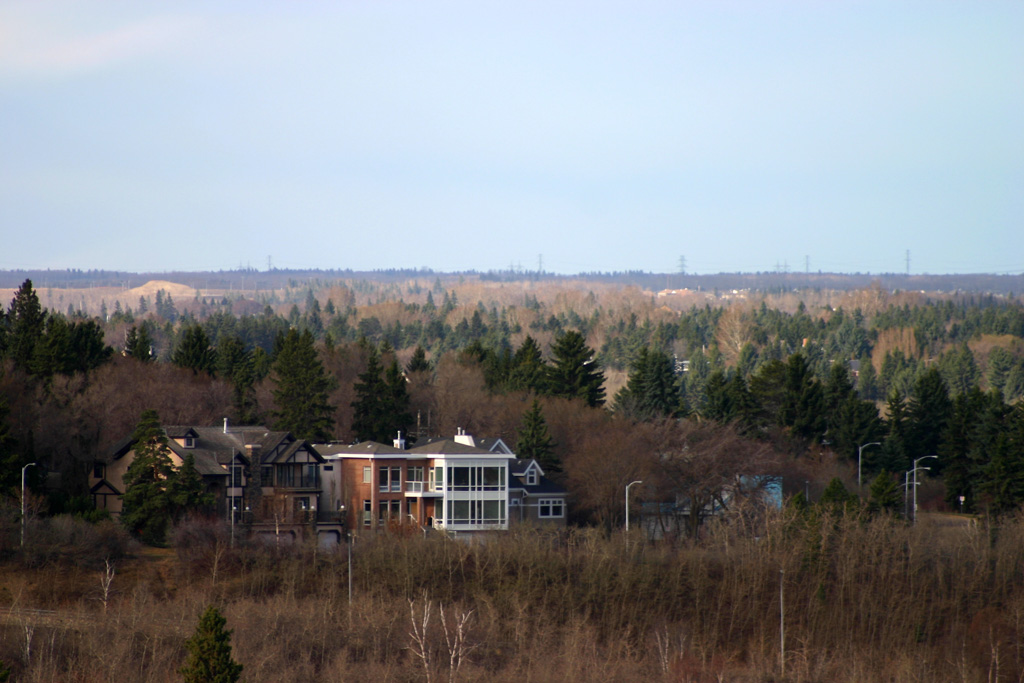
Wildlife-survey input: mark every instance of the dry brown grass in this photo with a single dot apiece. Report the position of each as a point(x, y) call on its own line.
point(865, 600)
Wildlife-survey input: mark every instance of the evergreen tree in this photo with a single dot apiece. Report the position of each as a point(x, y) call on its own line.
point(534, 441)
point(138, 344)
point(885, 494)
point(528, 371)
point(186, 491)
point(652, 389)
point(398, 417)
point(209, 652)
point(25, 326)
point(574, 372)
point(237, 365)
point(301, 389)
point(894, 455)
point(418, 362)
point(927, 413)
point(956, 451)
point(146, 509)
point(1000, 362)
point(370, 418)
point(194, 351)
point(867, 381)
point(835, 496)
point(959, 370)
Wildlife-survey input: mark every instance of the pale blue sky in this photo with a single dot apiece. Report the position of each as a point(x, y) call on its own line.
point(477, 135)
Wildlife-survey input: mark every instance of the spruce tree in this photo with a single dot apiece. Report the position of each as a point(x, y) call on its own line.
point(25, 326)
point(418, 362)
point(928, 410)
point(885, 494)
point(209, 652)
point(139, 343)
point(528, 372)
point(369, 421)
point(301, 389)
point(534, 441)
point(574, 372)
point(194, 351)
point(186, 491)
point(146, 508)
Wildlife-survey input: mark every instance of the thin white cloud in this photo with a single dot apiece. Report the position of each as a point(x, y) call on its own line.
point(34, 45)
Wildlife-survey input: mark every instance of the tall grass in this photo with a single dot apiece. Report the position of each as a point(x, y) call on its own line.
point(865, 600)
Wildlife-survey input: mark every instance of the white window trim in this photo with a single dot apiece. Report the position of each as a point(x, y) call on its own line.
point(558, 503)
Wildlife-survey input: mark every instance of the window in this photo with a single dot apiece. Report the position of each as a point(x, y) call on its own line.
point(99, 470)
point(476, 512)
point(414, 479)
point(390, 479)
point(236, 476)
point(531, 477)
point(550, 507)
point(390, 509)
point(267, 475)
point(190, 442)
point(436, 478)
point(328, 468)
point(298, 476)
point(367, 475)
point(476, 478)
point(367, 512)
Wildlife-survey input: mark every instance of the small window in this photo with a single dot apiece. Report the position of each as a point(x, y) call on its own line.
point(531, 477)
point(550, 507)
point(99, 470)
point(328, 468)
point(267, 475)
point(367, 475)
point(190, 442)
point(367, 512)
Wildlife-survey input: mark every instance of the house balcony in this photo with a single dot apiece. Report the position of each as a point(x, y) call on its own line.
point(419, 489)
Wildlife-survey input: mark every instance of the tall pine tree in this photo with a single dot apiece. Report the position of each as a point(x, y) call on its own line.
point(301, 389)
point(574, 372)
point(146, 509)
point(534, 441)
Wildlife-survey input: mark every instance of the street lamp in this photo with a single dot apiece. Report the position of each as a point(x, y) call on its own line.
point(860, 453)
point(916, 468)
point(627, 502)
point(23, 502)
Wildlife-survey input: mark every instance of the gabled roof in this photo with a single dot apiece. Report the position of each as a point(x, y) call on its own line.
point(518, 468)
point(494, 444)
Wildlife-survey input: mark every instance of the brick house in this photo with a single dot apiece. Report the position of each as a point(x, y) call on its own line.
point(458, 485)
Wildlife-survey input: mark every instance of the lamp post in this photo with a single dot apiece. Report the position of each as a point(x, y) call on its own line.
point(916, 468)
point(23, 501)
point(234, 510)
point(627, 502)
point(860, 454)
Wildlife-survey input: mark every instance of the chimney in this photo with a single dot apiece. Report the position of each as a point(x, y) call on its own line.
point(400, 442)
point(225, 425)
point(462, 437)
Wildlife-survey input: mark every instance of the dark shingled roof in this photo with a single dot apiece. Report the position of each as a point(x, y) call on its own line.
point(447, 447)
point(361, 448)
